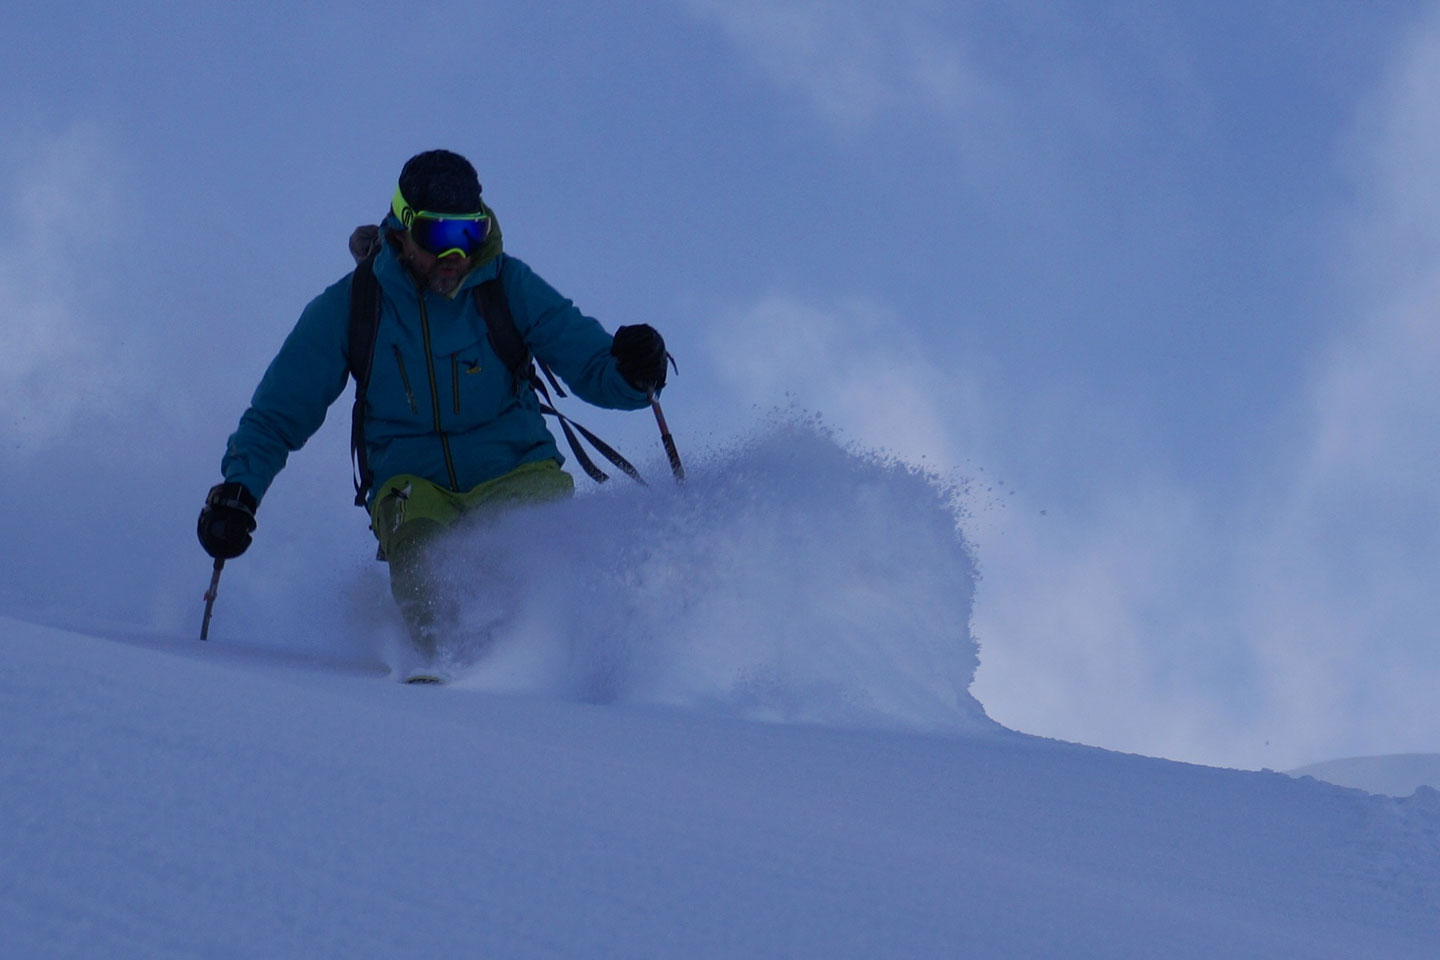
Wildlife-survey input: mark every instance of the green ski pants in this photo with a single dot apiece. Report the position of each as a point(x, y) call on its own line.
point(408, 512)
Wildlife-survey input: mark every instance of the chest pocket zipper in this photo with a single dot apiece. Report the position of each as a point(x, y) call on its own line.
point(405, 379)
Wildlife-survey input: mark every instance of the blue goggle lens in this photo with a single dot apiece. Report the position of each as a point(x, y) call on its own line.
point(439, 236)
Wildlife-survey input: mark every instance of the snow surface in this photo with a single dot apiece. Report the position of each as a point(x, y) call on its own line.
point(599, 786)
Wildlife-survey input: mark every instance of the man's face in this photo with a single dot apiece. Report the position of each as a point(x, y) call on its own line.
point(439, 274)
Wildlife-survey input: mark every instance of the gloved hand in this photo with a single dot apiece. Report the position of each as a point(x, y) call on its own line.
point(640, 356)
point(227, 520)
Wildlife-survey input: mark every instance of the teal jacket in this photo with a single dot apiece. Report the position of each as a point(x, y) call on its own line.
point(440, 403)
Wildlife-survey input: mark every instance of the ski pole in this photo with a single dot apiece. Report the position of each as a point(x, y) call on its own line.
point(210, 598)
point(676, 467)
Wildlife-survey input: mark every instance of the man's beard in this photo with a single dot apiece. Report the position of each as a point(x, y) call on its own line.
point(444, 284)
point(437, 281)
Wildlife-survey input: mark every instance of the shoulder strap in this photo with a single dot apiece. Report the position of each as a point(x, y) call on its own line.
point(364, 326)
point(508, 344)
point(504, 336)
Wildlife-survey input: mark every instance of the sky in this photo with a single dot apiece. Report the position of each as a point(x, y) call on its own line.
point(1154, 281)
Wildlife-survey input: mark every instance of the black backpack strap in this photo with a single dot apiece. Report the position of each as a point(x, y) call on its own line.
point(514, 352)
point(364, 327)
point(504, 336)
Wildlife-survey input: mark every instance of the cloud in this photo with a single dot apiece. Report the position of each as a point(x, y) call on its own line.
point(1104, 627)
point(1343, 581)
point(858, 63)
point(860, 366)
point(1301, 621)
point(1392, 158)
point(1088, 618)
point(853, 60)
point(1020, 93)
point(1297, 620)
point(63, 357)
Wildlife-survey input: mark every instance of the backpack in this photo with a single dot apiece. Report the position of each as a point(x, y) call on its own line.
point(504, 337)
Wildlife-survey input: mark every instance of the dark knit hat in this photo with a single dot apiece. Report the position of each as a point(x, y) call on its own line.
point(442, 182)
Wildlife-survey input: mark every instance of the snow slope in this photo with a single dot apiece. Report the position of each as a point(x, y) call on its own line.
point(167, 799)
point(599, 786)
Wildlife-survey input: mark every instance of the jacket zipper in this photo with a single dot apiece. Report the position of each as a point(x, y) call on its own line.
point(455, 378)
point(435, 390)
point(405, 379)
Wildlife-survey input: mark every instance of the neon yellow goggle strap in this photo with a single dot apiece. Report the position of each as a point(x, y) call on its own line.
point(407, 214)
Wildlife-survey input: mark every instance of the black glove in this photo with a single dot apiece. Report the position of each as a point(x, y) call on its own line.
point(227, 520)
point(640, 356)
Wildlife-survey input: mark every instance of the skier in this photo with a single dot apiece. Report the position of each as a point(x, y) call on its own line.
point(442, 420)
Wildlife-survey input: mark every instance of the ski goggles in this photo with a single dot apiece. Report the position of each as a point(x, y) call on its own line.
point(442, 233)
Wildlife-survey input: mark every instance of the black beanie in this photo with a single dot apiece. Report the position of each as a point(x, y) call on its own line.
point(440, 181)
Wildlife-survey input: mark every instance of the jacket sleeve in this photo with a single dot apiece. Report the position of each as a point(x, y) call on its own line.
point(306, 376)
point(573, 345)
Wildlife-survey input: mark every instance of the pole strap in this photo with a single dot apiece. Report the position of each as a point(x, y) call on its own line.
point(570, 427)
